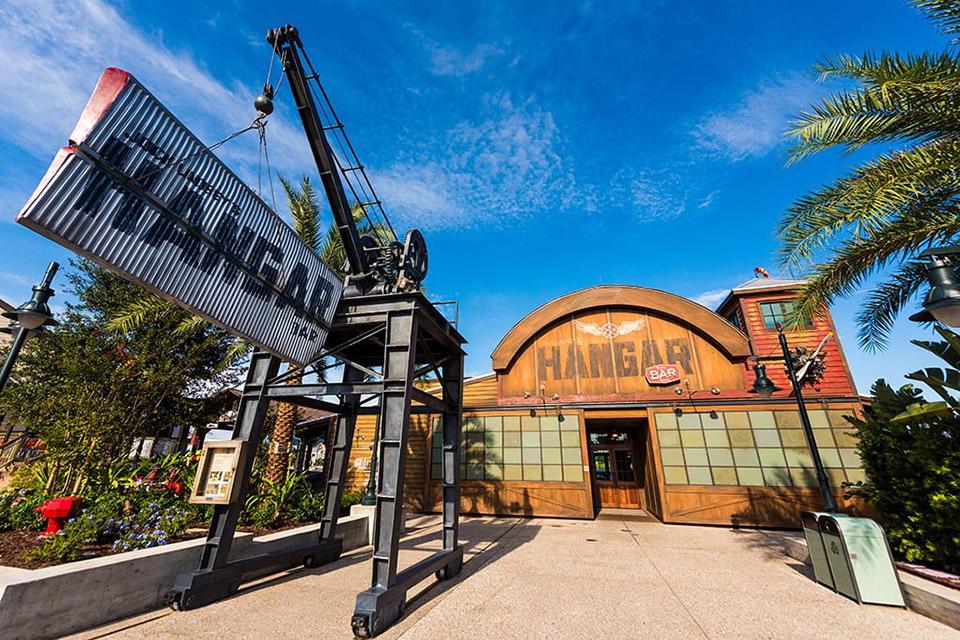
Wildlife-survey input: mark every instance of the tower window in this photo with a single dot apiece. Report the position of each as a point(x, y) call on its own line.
point(734, 319)
point(774, 312)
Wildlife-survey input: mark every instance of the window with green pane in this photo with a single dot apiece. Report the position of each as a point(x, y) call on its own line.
point(750, 448)
point(774, 313)
point(515, 448)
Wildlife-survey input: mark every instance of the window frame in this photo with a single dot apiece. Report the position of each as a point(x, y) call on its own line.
point(763, 317)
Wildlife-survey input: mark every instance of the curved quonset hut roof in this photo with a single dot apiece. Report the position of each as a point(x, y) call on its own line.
point(727, 337)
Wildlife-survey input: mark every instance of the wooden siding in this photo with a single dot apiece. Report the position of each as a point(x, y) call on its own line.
point(747, 506)
point(540, 499)
point(732, 341)
point(569, 358)
point(418, 451)
point(480, 392)
point(709, 363)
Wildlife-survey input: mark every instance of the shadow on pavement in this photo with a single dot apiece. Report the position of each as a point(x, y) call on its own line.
point(519, 533)
point(485, 540)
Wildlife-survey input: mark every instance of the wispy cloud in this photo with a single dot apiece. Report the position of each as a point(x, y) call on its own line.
point(450, 61)
point(506, 164)
point(711, 298)
point(708, 199)
point(651, 193)
point(53, 54)
point(15, 278)
point(453, 60)
point(754, 126)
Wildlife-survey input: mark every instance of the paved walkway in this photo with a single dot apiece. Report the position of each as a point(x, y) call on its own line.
point(539, 578)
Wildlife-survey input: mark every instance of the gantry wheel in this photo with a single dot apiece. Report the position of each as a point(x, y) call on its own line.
point(360, 623)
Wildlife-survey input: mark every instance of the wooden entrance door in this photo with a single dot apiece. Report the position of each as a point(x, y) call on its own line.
point(616, 469)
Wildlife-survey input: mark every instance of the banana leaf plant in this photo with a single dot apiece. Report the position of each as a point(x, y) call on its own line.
point(942, 380)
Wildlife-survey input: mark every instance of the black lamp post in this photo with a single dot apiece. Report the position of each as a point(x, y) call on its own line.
point(370, 495)
point(942, 302)
point(32, 315)
point(764, 387)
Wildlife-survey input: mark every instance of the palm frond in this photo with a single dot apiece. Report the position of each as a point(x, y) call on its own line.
point(877, 70)
point(190, 324)
point(906, 98)
point(939, 380)
point(948, 350)
point(877, 314)
point(946, 13)
point(236, 351)
point(331, 250)
point(870, 196)
point(304, 209)
point(148, 308)
point(860, 256)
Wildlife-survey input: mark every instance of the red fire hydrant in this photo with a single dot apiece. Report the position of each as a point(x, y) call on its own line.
point(57, 511)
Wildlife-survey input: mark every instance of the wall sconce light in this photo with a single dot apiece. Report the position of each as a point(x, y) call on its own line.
point(554, 397)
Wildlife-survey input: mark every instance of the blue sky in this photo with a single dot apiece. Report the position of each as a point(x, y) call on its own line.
point(541, 147)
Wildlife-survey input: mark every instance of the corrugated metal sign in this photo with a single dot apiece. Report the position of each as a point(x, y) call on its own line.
point(138, 193)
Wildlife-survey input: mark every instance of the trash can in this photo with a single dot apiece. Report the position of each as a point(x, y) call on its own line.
point(818, 552)
point(860, 560)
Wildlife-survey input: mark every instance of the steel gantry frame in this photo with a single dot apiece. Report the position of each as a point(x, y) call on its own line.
point(385, 342)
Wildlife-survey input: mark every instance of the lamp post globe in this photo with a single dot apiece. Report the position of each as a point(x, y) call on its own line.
point(763, 386)
point(942, 302)
point(30, 317)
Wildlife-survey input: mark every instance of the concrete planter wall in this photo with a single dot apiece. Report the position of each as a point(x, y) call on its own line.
point(54, 601)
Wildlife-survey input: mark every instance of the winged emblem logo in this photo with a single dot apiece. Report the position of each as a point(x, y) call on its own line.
point(609, 329)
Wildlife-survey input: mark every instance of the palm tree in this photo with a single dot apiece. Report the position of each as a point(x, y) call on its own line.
point(304, 210)
point(877, 218)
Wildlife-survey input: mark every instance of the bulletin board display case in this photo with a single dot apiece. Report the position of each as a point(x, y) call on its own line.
point(216, 479)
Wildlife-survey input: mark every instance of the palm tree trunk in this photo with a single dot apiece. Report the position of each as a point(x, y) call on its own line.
point(279, 457)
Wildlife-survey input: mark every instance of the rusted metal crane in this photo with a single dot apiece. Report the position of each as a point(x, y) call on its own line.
point(386, 334)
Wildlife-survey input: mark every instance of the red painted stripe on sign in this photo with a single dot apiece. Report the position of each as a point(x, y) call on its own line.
point(111, 83)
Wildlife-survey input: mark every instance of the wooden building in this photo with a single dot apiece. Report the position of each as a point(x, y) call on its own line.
point(629, 397)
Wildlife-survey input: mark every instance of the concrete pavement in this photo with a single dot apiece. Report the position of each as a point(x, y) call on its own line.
point(542, 578)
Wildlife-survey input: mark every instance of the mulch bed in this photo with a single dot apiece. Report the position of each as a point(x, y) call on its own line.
point(13, 544)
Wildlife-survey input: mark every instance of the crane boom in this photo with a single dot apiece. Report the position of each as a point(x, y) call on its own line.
point(374, 263)
point(285, 41)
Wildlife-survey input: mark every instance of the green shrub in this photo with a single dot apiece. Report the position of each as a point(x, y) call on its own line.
point(914, 477)
point(349, 498)
point(277, 503)
point(152, 525)
point(67, 544)
point(309, 508)
point(18, 510)
point(60, 547)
